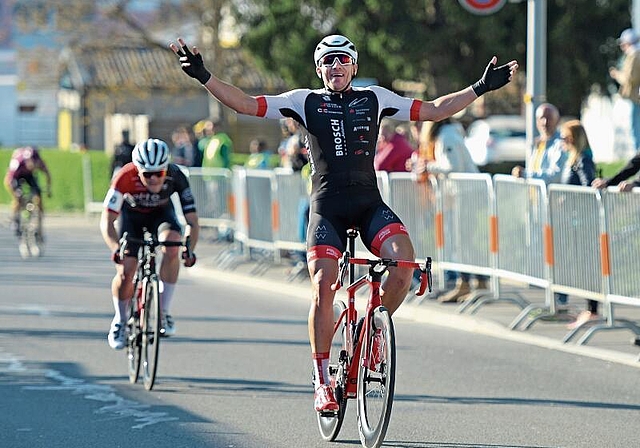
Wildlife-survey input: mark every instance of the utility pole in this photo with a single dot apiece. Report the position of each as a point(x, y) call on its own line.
point(536, 92)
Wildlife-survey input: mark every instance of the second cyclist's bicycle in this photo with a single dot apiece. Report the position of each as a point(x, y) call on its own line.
point(363, 352)
point(145, 315)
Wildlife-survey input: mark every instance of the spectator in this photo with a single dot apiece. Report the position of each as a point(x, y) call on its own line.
point(219, 149)
point(620, 178)
point(184, 150)
point(444, 152)
point(295, 148)
point(579, 169)
point(259, 155)
point(547, 160)
point(203, 131)
point(121, 153)
point(393, 149)
point(628, 77)
point(284, 139)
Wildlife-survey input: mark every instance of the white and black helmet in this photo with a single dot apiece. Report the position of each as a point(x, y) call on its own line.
point(151, 155)
point(335, 44)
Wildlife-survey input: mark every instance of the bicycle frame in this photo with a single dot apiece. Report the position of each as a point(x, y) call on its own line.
point(373, 279)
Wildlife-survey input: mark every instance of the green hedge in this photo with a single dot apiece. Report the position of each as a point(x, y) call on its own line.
point(67, 189)
point(67, 185)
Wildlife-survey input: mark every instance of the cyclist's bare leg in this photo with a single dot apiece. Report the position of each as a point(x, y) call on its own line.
point(121, 285)
point(169, 269)
point(15, 207)
point(37, 201)
point(323, 273)
point(170, 265)
point(398, 282)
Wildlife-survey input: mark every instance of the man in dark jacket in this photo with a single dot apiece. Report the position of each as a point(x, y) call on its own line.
point(122, 153)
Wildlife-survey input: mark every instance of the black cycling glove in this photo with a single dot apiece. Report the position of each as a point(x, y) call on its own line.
point(189, 258)
point(115, 257)
point(493, 78)
point(193, 65)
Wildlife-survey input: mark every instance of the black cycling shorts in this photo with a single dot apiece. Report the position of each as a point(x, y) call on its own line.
point(30, 180)
point(359, 207)
point(157, 221)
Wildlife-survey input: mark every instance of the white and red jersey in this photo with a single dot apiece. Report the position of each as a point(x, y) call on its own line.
point(127, 190)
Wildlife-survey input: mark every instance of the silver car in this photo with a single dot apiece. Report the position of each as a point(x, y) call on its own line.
point(496, 139)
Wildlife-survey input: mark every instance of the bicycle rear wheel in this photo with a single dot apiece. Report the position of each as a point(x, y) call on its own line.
point(376, 381)
point(151, 332)
point(134, 340)
point(330, 423)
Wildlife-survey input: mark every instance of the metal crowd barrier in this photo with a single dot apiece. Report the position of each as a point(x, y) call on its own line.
point(622, 212)
point(290, 194)
point(522, 240)
point(211, 188)
point(467, 207)
point(562, 239)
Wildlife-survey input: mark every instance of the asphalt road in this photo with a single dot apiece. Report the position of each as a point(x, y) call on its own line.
point(237, 374)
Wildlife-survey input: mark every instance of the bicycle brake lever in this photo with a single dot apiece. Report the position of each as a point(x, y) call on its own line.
point(123, 244)
point(187, 246)
point(344, 264)
point(423, 284)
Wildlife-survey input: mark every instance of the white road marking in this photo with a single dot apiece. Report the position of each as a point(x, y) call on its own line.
point(114, 404)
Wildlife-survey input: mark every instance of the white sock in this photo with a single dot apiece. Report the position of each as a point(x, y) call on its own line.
point(167, 296)
point(121, 308)
point(320, 369)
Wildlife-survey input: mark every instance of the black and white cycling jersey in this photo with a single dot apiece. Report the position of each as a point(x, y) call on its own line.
point(341, 128)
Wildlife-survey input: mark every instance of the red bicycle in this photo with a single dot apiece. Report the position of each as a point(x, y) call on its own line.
point(364, 365)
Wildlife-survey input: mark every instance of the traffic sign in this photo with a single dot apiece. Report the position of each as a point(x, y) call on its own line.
point(482, 7)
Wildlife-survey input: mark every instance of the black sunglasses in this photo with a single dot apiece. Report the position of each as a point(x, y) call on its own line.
point(150, 174)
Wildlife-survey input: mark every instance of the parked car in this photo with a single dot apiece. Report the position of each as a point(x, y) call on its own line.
point(497, 139)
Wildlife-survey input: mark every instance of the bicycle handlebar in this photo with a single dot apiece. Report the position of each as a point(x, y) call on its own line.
point(384, 263)
point(151, 241)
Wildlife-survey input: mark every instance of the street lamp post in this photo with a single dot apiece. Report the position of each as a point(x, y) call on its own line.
point(536, 92)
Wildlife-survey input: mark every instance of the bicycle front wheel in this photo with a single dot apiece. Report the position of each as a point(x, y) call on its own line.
point(376, 380)
point(36, 241)
point(134, 340)
point(330, 423)
point(151, 332)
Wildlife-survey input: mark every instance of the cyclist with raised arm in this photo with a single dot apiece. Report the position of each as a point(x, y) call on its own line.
point(341, 123)
point(140, 197)
point(24, 164)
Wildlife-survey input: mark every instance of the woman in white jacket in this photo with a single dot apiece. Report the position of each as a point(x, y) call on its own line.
point(450, 154)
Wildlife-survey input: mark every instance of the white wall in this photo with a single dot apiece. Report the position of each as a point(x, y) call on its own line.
point(607, 123)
